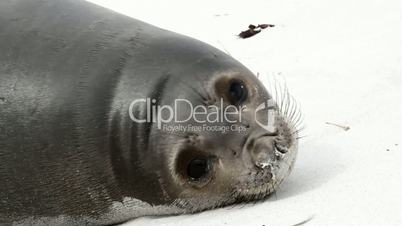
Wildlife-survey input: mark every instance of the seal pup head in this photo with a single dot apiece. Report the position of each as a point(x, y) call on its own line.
point(241, 157)
point(191, 157)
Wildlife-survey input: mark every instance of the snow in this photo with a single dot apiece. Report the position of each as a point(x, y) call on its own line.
point(342, 60)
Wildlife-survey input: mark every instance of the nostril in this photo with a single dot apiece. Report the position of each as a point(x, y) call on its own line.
point(280, 148)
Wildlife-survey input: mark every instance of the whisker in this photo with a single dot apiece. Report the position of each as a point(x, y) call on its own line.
point(287, 105)
point(299, 138)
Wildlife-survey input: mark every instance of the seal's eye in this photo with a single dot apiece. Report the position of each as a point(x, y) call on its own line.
point(198, 168)
point(237, 92)
point(194, 167)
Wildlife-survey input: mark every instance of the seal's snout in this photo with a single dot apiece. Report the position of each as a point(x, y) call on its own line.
point(262, 152)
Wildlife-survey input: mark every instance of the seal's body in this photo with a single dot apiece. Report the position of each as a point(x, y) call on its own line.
point(69, 149)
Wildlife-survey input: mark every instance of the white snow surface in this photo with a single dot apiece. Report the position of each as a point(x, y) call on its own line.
point(342, 60)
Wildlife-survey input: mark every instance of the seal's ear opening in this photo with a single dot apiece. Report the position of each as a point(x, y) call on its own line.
point(232, 90)
point(194, 167)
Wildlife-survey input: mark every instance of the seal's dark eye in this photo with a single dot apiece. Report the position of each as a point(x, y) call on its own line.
point(198, 168)
point(237, 92)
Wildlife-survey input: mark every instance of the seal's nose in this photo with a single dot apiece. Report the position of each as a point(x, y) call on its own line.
point(263, 152)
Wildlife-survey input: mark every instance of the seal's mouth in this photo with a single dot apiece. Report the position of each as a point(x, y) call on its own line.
point(259, 187)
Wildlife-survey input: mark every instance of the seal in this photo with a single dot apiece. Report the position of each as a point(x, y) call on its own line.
point(104, 118)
